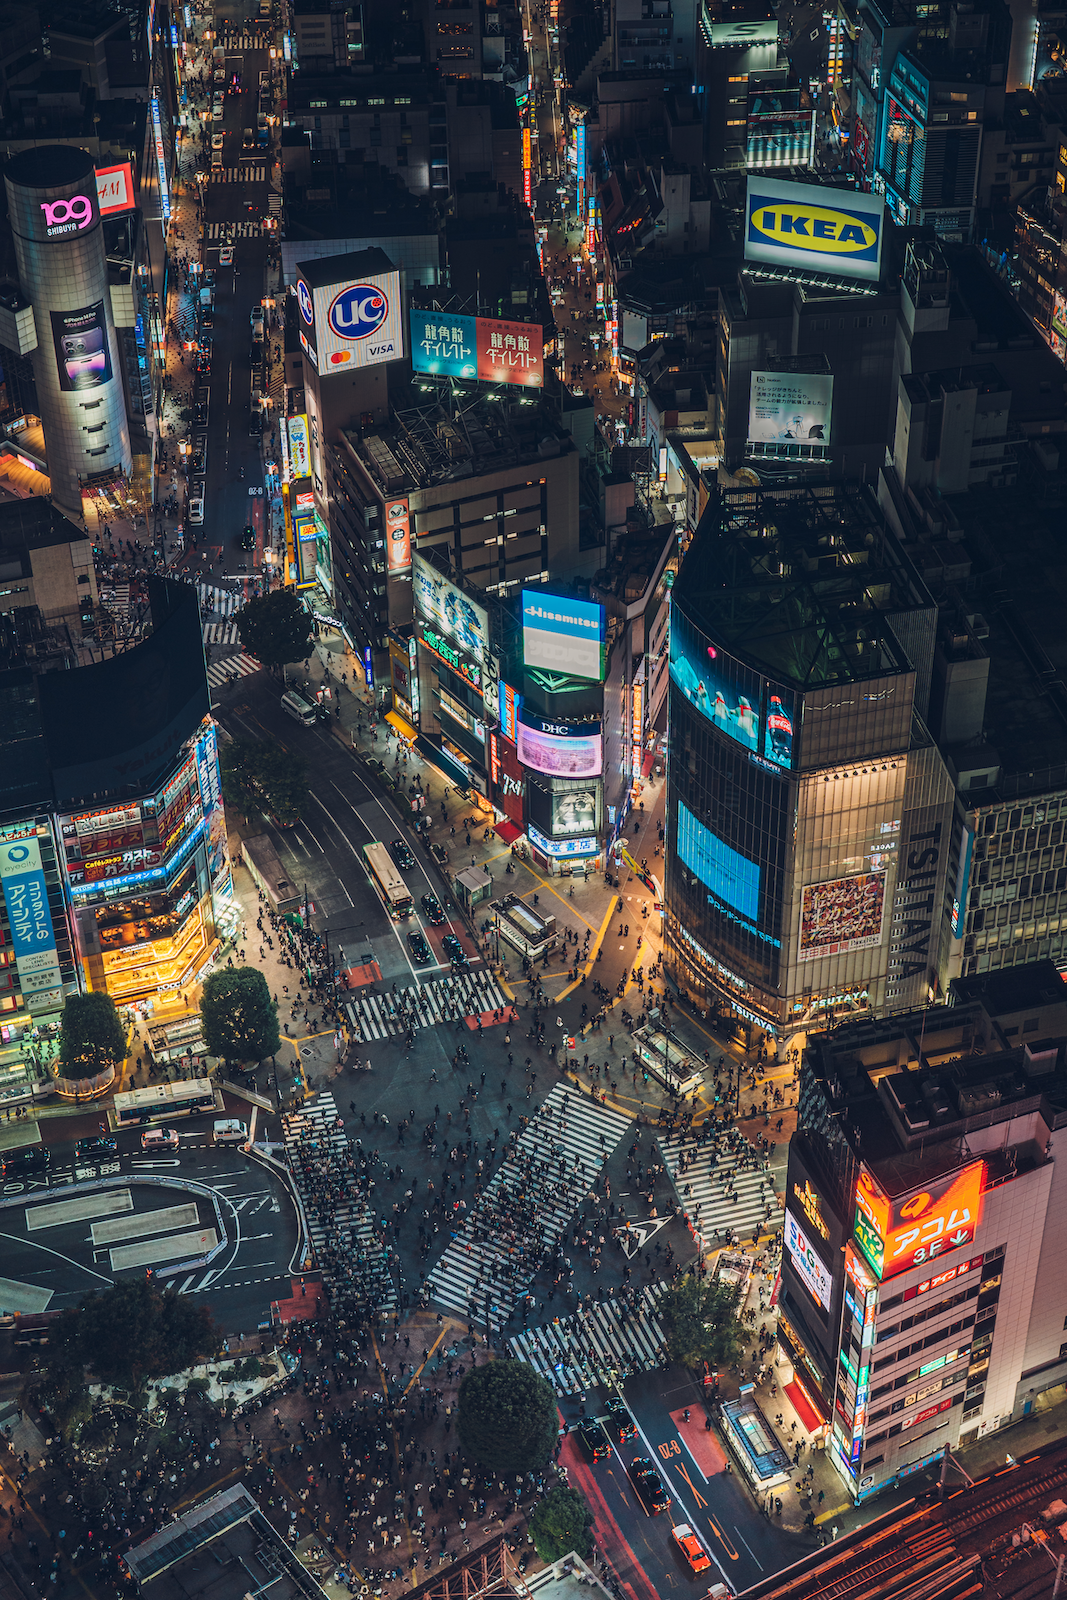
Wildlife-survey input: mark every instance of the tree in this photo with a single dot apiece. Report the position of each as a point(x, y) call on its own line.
point(507, 1417)
point(560, 1524)
point(260, 775)
point(92, 1039)
point(126, 1334)
point(699, 1318)
point(240, 1020)
point(275, 628)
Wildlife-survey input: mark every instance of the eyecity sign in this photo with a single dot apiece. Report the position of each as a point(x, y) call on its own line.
point(67, 216)
point(814, 227)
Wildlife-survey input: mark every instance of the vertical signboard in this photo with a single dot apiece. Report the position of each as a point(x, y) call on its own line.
point(161, 159)
point(397, 534)
point(299, 445)
point(32, 934)
point(527, 163)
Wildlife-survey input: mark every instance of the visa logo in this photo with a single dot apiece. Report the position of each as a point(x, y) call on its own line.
point(819, 230)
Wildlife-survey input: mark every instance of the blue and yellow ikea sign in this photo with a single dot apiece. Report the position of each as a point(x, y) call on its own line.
point(815, 228)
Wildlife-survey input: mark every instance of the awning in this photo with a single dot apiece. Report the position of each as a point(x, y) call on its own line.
point(404, 729)
point(803, 1407)
point(507, 831)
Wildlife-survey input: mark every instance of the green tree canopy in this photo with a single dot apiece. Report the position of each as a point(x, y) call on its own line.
point(699, 1318)
point(560, 1524)
point(126, 1334)
point(261, 775)
point(91, 1036)
point(275, 628)
point(240, 1020)
point(507, 1417)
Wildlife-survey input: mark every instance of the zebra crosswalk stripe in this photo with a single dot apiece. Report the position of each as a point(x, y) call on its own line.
point(219, 671)
point(379, 1016)
point(351, 1229)
point(570, 1138)
point(221, 633)
point(218, 600)
point(603, 1343)
point(224, 231)
point(238, 175)
point(706, 1190)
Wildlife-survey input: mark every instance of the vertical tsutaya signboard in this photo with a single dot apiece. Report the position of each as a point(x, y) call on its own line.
point(82, 353)
point(814, 228)
point(919, 1226)
point(397, 534)
point(114, 189)
point(32, 934)
point(790, 407)
point(563, 634)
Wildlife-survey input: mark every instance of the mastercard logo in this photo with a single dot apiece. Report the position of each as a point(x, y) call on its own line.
point(340, 358)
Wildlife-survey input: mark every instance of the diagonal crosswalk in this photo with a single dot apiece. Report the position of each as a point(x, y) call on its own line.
point(725, 1187)
point(353, 1259)
point(241, 665)
point(512, 1226)
point(461, 994)
point(599, 1345)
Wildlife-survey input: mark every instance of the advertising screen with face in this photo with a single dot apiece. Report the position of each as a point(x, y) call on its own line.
point(720, 688)
point(82, 353)
point(790, 405)
point(574, 812)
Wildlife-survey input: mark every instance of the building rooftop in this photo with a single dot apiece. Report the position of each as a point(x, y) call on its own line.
point(322, 271)
point(36, 525)
point(797, 582)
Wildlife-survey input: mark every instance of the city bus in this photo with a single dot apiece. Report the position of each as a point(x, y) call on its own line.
point(161, 1101)
point(396, 896)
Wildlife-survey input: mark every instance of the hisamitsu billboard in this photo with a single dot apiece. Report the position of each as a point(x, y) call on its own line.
point(814, 227)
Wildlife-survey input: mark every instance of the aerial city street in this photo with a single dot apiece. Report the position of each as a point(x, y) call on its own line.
point(533, 800)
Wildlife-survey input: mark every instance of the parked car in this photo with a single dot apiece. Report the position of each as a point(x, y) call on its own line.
point(418, 946)
point(432, 910)
point(248, 538)
point(402, 855)
point(648, 1485)
point(593, 1440)
point(620, 1419)
point(226, 256)
point(257, 319)
point(96, 1148)
point(196, 513)
point(200, 415)
point(691, 1548)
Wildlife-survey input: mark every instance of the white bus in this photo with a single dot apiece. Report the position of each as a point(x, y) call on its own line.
point(396, 896)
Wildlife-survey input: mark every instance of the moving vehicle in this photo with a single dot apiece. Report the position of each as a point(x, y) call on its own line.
point(649, 1485)
point(454, 950)
point(159, 1139)
point(402, 855)
point(226, 256)
point(29, 1162)
point(620, 1419)
point(394, 892)
point(257, 319)
point(301, 710)
point(229, 1131)
point(217, 141)
point(248, 139)
point(432, 911)
point(248, 538)
point(161, 1101)
point(95, 1148)
point(593, 1440)
point(691, 1548)
point(418, 946)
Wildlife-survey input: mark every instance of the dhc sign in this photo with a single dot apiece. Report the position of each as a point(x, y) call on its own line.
point(814, 227)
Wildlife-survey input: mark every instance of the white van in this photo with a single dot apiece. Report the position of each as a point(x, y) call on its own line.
point(229, 1131)
point(298, 708)
point(159, 1139)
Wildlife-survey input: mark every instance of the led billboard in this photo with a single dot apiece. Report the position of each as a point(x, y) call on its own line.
point(299, 445)
point(778, 725)
point(919, 1226)
point(397, 534)
point(843, 914)
point(814, 228)
point(789, 406)
point(562, 749)
point(115, 190)
point(460, 619)
point(564, 635)
point(82, 353)
point(477, 347)
point(728, 875)
point(573, 812)
point(724, 691)
point(344, 326)
point(806, 1263)
point(32, 934)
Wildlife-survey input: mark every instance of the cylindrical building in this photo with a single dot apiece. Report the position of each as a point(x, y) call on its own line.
point(59, 246)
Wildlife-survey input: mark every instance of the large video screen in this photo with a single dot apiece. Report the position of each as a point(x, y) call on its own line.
point(82, 353)
point(920, 1226)
point(574, 811)
point(785, 406)
point(778, 724)
point(727, 693)
point(563, 750)
point(563, 634)
point(459, 618)
point(724, 871)
point(844, 914)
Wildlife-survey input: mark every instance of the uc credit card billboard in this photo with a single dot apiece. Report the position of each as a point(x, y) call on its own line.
point(348, 325)
point(477, 347)
point(815, 228)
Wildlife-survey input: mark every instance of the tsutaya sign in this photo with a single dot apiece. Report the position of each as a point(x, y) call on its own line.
point(814, 227)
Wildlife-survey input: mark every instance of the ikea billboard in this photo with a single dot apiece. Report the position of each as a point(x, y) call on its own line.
point(814, 227)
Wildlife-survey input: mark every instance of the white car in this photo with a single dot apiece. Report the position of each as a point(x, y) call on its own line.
point(226, 256)
point(196, 513)
point(217, 141)
point(257, 318)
